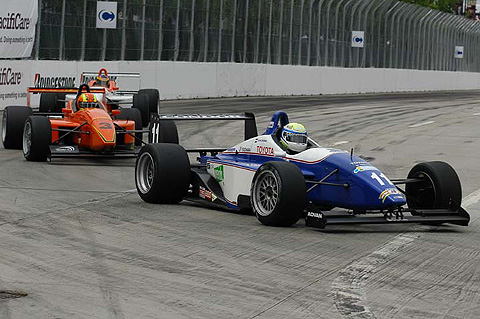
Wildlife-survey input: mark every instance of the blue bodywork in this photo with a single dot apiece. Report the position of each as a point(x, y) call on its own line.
point(356, 185)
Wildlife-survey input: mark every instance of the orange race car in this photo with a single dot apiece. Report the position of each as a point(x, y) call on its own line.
point(146, 100)
point(85, 127)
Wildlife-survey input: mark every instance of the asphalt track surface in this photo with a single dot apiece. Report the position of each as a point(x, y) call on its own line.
point(76, 237)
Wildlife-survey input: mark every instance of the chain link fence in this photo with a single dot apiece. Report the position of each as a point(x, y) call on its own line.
point(295, 32)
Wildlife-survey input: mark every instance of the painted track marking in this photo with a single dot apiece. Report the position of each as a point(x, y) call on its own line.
point(348, 288)
point(421, 124)
point(341, 142)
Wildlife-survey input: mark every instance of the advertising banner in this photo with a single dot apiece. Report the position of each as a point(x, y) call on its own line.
point(18, 19)
point(15, 77)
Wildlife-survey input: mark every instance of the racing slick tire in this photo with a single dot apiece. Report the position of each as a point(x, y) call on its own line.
point(140, 102)
point(153, 98)
point(162, 173)
point(278, 194)
point(133, 114)
point(165, 132)
point(37, 136)
point(440, 186)
point(51, 102)
point(12, 125)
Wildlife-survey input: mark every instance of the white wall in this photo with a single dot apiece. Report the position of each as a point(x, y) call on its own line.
point(185, 80)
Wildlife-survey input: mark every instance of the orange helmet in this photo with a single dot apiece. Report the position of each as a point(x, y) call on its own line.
point(86, 100)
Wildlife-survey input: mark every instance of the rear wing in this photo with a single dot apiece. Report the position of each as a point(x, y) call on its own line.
point(156, 120)
point(73, 90)
point(92, 75)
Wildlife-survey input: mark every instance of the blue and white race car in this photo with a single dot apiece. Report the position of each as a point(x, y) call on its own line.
point(324, 185)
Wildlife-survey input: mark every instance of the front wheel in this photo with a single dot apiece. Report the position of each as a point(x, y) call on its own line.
point(37, 136)
point(278, 194)
point(438, 186)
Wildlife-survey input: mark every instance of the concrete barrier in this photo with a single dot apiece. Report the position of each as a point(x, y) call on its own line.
point(186, 80)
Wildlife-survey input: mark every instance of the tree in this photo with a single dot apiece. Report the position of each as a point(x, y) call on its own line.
point(442, 5)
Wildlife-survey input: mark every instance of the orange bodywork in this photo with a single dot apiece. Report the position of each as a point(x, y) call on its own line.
point(97, 132)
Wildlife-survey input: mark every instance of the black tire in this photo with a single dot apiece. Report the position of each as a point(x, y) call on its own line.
point(162, 173)
point(153, 99)
point(440, 186)
point(134, 115)
point(37, 136)
point(12, 125)
point(167, 133)
point(60, 104)
point(140, 102)
point(284, 206)
point(47, 102)
point(51, 102)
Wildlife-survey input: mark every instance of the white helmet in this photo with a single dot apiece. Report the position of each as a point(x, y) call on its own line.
point(294, 137)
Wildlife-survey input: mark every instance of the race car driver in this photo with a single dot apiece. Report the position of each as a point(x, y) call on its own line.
point(294, 137)
point(86, 100)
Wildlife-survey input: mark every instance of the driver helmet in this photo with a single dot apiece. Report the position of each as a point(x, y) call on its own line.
point(103, 79)
point(86, 100)
point(294, 137)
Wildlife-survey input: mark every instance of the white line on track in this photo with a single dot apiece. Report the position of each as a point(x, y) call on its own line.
point(341, 142)
point(421, 124)
point(348, 288)
point(476, 113)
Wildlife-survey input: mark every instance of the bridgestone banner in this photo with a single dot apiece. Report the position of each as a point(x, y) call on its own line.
point(18, 19)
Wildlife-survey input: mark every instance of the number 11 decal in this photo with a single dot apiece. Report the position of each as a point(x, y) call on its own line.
point(379, 179)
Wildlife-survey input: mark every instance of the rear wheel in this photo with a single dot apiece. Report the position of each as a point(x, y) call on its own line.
point(13, 119)
point(153, 99)
point(37, 136)
point(164, 131)
point(278, 194)
point(440, 184)
point(51, 102)
point(133, 115)
point(162, 173)
point(140, 102)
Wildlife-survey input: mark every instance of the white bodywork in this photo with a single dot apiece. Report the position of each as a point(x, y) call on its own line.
point(236, 179)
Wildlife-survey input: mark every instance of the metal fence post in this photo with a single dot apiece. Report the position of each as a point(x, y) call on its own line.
point(38, 27)
point(343, 33)
point(300, 36)
point(280, 34)
point(337, 10)
point(291, 34)
point(245, 33)
point(142, 36)
point(192, 39)
point(257, 47)
point(124, 31)
point(62, 33)
point(361, 62)
point(387, 42)
point(205, 35)
point(310, 17)
point(234, 27)
point(220, 31)
point(320, 4)
point(376, 37)
point(327, 32)
point(269, 50)
point(160, 32)
point(177, 40)
point(350, 49)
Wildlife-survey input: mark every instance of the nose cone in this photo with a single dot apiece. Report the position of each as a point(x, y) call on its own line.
point(102, 133)
point(392, 197)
